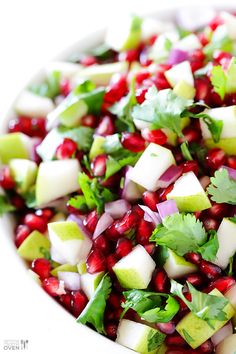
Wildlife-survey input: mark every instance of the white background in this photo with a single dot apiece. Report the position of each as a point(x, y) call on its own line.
point(31, 33)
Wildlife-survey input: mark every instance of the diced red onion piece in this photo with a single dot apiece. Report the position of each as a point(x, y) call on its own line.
point(154, 216)
point(117, 208)
point(220, 335)
point(71, 280)
point(131, 191)
point(56, 257)
point(170, 176)
point(231, 172)
point(205, 181)
point(177, 56)
point(147, 217)
point(166, 208)
point(194, 18)
point(79, 222)
point(103, 223)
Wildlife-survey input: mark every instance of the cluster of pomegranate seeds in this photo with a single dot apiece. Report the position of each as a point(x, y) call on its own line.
point(66, 149)
point(33, 127)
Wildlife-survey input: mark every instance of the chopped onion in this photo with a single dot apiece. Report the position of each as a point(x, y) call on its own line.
point(166, 208)
point(205, 181)
point(170, 176)
point(177, 56)
point(103, 223)
point(56, 257)
point(194, 18)
point(220, 335)
point(231, 172)
point(117, 208)
point(131, 190)
point(150, 215)
point(71, 280)
point(79, 222)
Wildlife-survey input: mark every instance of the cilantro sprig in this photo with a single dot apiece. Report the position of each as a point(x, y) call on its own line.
point(5, 205)
point(50, 88)
point(222, 188)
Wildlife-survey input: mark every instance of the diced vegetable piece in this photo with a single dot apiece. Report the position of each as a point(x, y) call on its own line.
point(32, 105)
point(180, 72)
point(24, 173)
point(89, 283)
point(177, 267)
point(14, 146)
point(34, 246)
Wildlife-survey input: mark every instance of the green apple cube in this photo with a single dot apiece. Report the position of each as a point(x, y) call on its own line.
point(189, 194)
point(226, 235)
point(231, 74)
point(64, 268)
point(180, 72)
point(126, 35)
point(227, 346)
point(56, 179)
point(177, 267)
point(101, 74)
point(196, 331)
point(159, 52)
point(154, 161)
point(14, 146)
point(139, 337)
point(134, 271)
point(184, 90)
point(89, 283)
point(97, 147)
point(34, 246)
point(230, 24)
point(24, 173)
point(67, 70)
point(188, 43)
point(228, 145)
point(34, 276)
point(32, 105)
point(69, 241)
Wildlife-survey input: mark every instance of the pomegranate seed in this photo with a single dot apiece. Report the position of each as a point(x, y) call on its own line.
point(22, 232)
point(105, 127)
point(114, 300)
point(151, 200)
point(65, 87)
point(215, 158)
point(164, 192)
point(176, 340)
point(112, 181)
point(190, 166)
point(150, 248)
point(123, 247)
point(66, 149)
point(203, 39)
point(160, 81)
point(102, 244)
point(222, 284)
point(194, 258)
point(6, 180)
point(190, 135)
point(34, 127)
point(129, 56)
point(47, 214)
point(154, 136)
point(161, 282)
point(99, 165)
point(210, 270)
point(152, 39)
point(89, 121)
point(143, 232)
point(207, 347)
point(17, 201)
point(231, 161)
point(88, 60)
point(167, 328)
point(112, 315)
point(222, 58)
point(215, 22)
point(111, 330)
point(95, 262)
point(144, 59)
point(79, 301)
point(202, 86)
point(210, 224)
point(196, 59)
point(116, 89)
point(127, 223)
point(111, 261)
point(218, 211)
point(142, 75)
point(66, 301)
point(140, 94)
point(35, 222)
point(195, 279)
point(42, 267)
point(91, 221)
point(136, 209)
point(112, 233)
point(133, 142)
point(52, 286)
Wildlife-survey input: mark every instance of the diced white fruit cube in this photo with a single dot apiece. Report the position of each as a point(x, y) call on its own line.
point(32, 105)
point(189, 43)
point(151, 26)
point(230, 23)
point(24, 172)
point(177, 267)
point(134, 271)
point(180, 72)
point(154, 161)
point(66, 69)
point(89, 283)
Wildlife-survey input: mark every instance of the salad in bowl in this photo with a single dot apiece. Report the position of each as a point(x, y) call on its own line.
point(120, 170)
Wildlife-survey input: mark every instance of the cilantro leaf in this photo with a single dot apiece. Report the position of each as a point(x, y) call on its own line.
point(5, 205)
point(163, 109)
point(30, 198)
point(205, 306)
point(219, 80)
point(50, 88)
point(209, 249)
point(215, 126)
point(185, 151)
point(102, 53)
point(79, 202)
point(219, 42)
point(181, 233)
point(95, 308)
point(222, 188)
point(151, 306)
point(155, 339)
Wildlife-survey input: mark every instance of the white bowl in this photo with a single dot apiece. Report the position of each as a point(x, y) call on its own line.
point(37, 318)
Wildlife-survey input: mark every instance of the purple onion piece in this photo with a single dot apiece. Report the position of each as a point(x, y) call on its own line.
point(118, 208)
point(103, 223)
point(166, 208)
point(154, 216)
point(170, 176)
point(231, 172)
point(177, 56)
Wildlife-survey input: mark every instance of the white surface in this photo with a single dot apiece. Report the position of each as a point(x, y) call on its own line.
point(31, 33)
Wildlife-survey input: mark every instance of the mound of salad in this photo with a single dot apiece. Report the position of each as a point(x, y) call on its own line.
point(120, 169)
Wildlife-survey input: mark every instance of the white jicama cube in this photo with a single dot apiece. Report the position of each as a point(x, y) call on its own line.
point(66, 69)
point(134, 271)
point(226, 235)
point(189, 194)
point(230, 23)
point(89, 283)
point(56, 179)
point(32, 105)
point(180, 72)
point(154, 161)
point(69, 241)
point(188, 43)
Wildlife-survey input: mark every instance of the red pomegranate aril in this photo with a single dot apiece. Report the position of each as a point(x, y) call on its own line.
point(160, 81)
point(143, 232)
point(105, 127)
point(66, 149)
point(215, 158)
point(203, 39)
point(22, 232)
point(6, 180)
point(111, 232)
point(129, 56)
point(190, 166)
point(151, 200)
point(114, 300)
point(95, 262)
point(78, 303)
point(111, 330)
point(196, 59)
point(164, 192)
point(116, 89)
point(190, 135)
point(111, 261)
point(123, 247)
point(46, 213)
point(66, 301)
point(193, 257)
point(88, 60)
point(17, 201)
point(154, 136)
point(231, 161)
point(218, 211)
point(42, 267)
point(140, 94)
point(210, 224)
point(202, 86)
point(89, 121)
point(210, 270)
point(150, 248)
point(167, 328)
point(175, 340)
point(35, 222)
point(220, 57)
point(142, 75)
point(127, 223)
point(65, 87)
point(222, 284)
point(51, 286)
point(215, 22)
point(99, 165)
point(206, 347)
point(137, 210)
point(161, 281)
point(102, 244)
point(133, 142)
point(91, 221)
point(195, 279)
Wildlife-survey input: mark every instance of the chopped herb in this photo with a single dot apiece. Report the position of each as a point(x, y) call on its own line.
point(5, 205)
point(187, 336)
point(215, 126)
point(50, 88)
point(79, 202)
point(219, 80)
point(155, 339)
point(222, 188)
point(210, 248)
point(185, 151)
